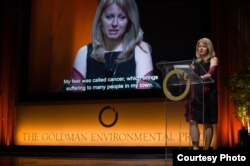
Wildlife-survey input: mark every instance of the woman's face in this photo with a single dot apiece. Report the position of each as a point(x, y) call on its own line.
point(113, 22)
point(202, 49)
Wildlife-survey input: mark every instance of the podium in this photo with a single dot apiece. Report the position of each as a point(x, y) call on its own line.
point(179, 83)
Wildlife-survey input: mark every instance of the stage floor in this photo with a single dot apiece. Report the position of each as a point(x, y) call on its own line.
point(69, 161)
point(44, 156)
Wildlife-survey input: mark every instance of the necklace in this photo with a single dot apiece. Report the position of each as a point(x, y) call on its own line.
point(111, 64)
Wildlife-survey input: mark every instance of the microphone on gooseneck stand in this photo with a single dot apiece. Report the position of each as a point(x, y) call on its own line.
point(154, 83)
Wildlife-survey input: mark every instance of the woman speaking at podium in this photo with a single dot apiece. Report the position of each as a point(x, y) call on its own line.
point(201, 105)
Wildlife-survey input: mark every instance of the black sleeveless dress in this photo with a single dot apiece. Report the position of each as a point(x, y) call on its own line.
point(202, 103)
point(110, 74)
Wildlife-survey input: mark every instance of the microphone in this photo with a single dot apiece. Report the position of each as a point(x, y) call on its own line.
point(155, 84)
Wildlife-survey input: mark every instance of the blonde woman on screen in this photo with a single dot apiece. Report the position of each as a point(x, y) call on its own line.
point(117, 54)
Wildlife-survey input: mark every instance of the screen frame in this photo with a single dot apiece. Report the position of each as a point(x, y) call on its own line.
point(23, 95)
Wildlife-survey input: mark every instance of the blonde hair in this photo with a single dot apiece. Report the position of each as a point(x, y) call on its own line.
point(132, 36)
point(210, 49)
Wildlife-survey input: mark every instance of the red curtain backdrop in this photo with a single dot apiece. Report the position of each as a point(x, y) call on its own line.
point(232, 44)
point(231, 37)
point(8, 36)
